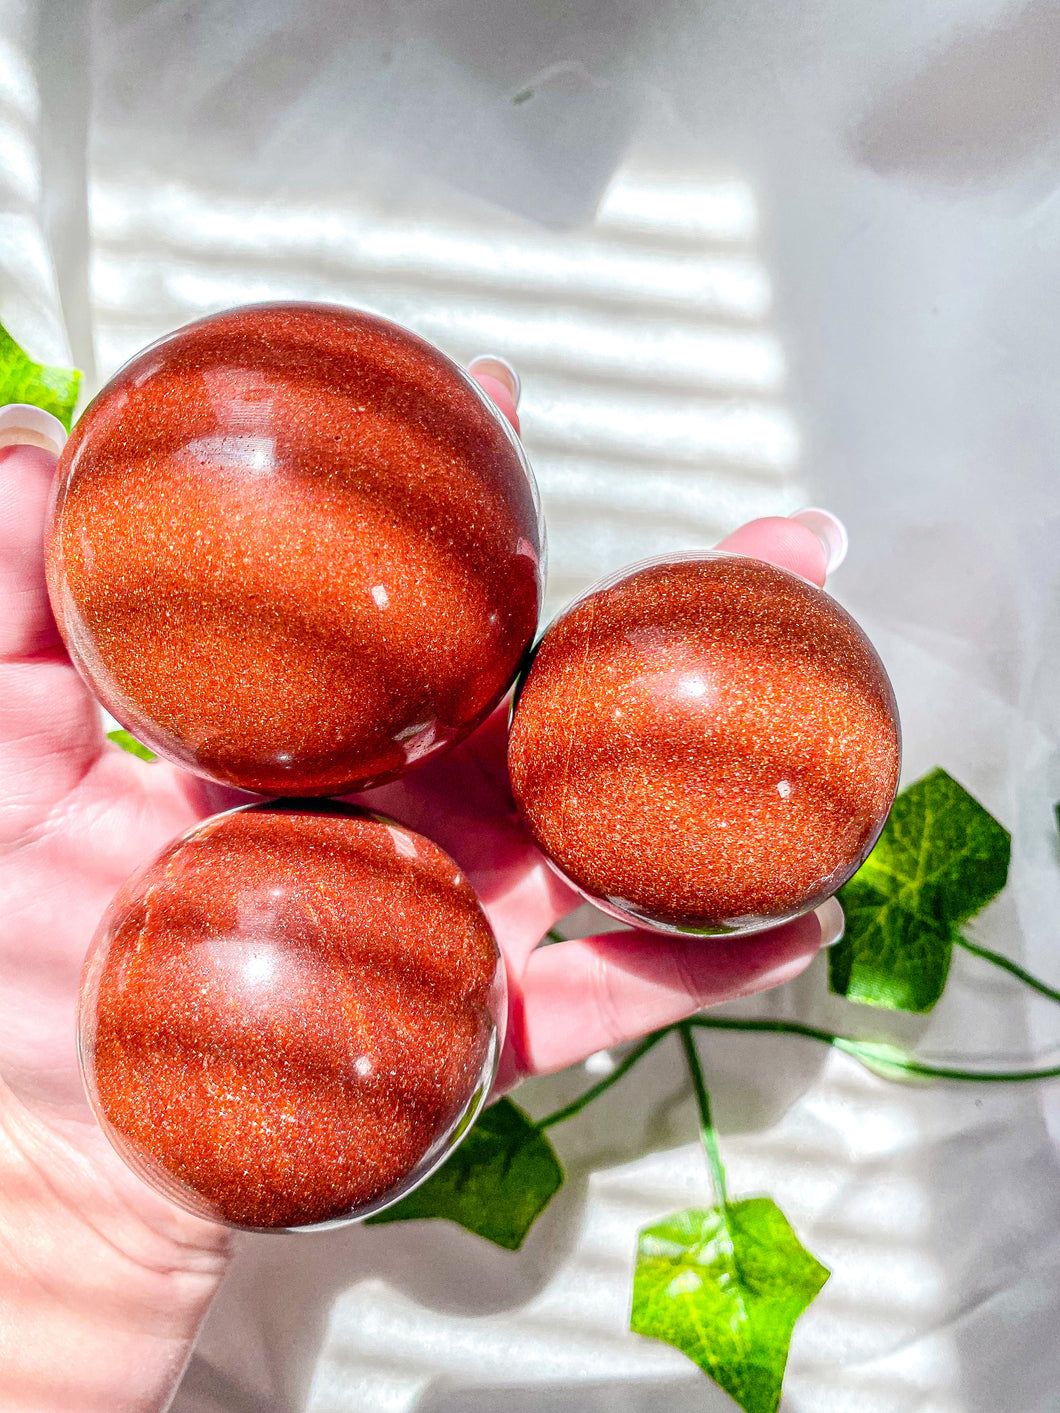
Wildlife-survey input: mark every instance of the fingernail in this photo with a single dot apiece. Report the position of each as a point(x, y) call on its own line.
point(829, 529)
point(24, 425)
point(496, 367)
point(833, 923)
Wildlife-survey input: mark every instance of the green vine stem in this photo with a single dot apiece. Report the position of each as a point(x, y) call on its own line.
point(708, 1134)
point(997, 960)
point(863, 1050)
point(622, 1068)
point(866, 1052)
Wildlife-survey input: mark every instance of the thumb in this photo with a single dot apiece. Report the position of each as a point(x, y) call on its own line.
point(49, 725)
point(30, 441)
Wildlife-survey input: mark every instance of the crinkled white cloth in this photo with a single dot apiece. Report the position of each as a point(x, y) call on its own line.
point(747, 255)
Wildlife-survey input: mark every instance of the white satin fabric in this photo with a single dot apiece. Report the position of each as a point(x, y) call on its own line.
point(746, 256)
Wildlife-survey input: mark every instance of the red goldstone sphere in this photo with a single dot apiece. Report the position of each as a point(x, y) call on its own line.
point(291, 1015)
point(705, 744)
point(295, 549)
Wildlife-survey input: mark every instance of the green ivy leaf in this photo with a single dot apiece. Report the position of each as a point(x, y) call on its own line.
point(725, 1287)
point(131, 744)
point(22, 380)
point(496, 1184)
point(940, 859)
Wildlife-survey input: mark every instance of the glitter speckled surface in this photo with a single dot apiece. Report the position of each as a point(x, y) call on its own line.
point(294, 550)
point(285, 1017)
point(706, 743)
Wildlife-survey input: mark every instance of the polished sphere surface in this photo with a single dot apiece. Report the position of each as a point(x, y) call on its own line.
point(295, 549)
point(291, 1015)
point(705, 744)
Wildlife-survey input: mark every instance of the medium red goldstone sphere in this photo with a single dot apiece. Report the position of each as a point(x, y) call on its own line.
point(295, 549)
point(291, 1016)
point(705, 744)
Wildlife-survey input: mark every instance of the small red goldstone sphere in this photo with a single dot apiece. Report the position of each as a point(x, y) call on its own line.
point(295, 549)
point(705, 743)
point(291, 1016)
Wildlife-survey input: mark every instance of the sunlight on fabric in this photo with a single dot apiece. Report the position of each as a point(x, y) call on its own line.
point(653, 391)
point(876, 1231)
point(678, 208)
point(580, 265)
point(386, 1389)
point(17, 83)
point(597, 344)
point(25, 256)
point(542, 1339)
point(665, 427)
point(19, 168)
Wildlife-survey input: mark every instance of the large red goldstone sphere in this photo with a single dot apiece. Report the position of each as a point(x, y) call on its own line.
point(295, 549)
point(291, 1016)
point(705, 744)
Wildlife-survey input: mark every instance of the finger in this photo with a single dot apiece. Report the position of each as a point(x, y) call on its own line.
point(27, 470)
point(499, 380)
point(582, 996)
point(791, 544)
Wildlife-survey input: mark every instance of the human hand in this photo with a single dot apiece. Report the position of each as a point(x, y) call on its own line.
point(108, 1281)
point(103, 1283)
point(572, 998)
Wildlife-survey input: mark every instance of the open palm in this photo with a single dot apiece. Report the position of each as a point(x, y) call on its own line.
point(122, 1275)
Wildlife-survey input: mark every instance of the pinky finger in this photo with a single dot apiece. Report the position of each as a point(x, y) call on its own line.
point(587, 995)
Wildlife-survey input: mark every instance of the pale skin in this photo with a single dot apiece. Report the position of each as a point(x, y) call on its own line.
point(103, 1283)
